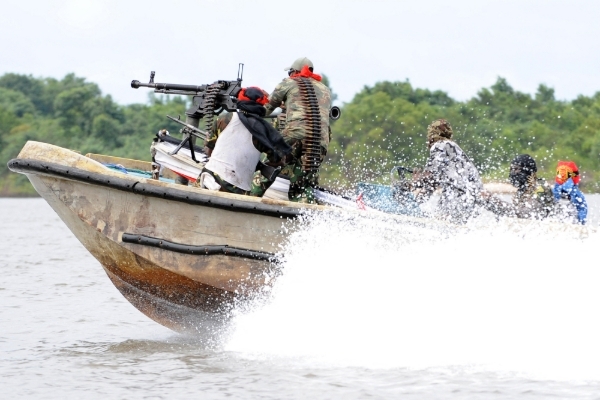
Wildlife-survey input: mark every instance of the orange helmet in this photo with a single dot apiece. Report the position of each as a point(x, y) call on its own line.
point(566, 170)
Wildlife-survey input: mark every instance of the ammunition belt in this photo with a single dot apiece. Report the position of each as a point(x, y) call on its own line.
point(311, 144)
point(208, 110)
point(281, 121)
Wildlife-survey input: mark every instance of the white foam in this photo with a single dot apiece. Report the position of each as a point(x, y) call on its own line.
point(374, 293)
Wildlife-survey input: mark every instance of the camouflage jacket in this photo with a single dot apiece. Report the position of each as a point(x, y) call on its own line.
point(296, 124)
point(449, 169)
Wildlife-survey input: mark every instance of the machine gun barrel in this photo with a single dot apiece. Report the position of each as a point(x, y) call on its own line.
point(335, 113)
point(168, 87)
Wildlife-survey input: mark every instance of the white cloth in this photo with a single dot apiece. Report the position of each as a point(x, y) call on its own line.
point(207, 181)
point(234, 158)
point(278, 190)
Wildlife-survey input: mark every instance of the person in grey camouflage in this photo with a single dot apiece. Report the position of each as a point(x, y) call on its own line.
point(449, 169)
point(288, 94)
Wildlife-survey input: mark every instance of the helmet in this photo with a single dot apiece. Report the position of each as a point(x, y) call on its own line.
point(299, 63)
point(566, 170)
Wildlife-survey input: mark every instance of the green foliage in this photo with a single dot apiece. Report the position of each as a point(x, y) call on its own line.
point(384, 125)
point(73, 113)
point(15, 103)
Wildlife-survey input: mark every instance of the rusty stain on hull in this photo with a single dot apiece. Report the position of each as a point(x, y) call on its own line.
point(176, 317)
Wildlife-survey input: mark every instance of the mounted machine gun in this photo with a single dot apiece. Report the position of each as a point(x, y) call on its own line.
point(207, 101)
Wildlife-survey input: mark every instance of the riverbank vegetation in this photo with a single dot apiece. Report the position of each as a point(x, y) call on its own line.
point(383, 126)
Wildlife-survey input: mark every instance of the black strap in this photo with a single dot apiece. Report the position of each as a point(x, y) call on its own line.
point(267, 171)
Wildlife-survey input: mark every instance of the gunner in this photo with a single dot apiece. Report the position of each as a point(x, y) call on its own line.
point(239, 146)
point(307, 102)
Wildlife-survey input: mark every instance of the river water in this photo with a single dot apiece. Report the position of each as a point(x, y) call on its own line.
point(361, 311)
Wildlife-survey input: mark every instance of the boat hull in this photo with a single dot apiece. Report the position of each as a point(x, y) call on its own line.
point(183, 256)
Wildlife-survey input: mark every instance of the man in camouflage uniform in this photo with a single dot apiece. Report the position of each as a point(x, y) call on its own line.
point(534, 198)
point(449, 169)
point(299, 125)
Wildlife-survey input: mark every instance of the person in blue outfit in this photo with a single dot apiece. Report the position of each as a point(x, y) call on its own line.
point(567, 186)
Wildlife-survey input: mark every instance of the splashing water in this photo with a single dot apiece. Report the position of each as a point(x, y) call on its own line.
point(513, 296)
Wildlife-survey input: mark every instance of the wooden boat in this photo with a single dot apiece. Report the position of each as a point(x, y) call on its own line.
point(182, 255)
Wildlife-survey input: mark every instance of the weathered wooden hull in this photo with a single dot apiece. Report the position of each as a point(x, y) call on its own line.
point(183, 256)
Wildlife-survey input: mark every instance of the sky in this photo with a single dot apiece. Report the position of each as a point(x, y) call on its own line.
point(456, 46)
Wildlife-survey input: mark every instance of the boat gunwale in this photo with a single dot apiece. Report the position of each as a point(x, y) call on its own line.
point(32, 166)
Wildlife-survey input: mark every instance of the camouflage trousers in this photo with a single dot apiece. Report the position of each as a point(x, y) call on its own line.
point(260, 184)
point(301, 183)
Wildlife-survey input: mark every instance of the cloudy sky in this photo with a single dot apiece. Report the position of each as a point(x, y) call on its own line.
point(456, 46)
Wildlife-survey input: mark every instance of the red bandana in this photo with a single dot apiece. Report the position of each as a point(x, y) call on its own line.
point(262, 100)
point(305, 73)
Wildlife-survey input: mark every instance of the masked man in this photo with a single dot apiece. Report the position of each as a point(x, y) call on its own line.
point(307, 102)
point(533, 198)
point(449, 169)
point(239, 145)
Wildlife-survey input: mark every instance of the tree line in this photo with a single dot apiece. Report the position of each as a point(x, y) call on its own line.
point(383, 126)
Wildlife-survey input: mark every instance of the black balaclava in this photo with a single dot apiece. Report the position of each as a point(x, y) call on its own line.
point(250, 106)
point(521, 169)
